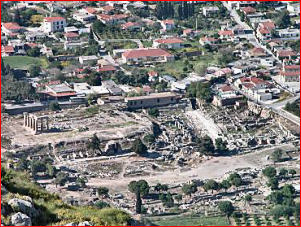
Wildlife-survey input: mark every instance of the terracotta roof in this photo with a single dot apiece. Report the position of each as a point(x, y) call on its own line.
point(226, 88)
point(107, 8)
point(268, 25)
point(31, 44)
point(152, 73)
point(248, 85)
point(106, 68)
point(297, 67)
point(169, 40)
point(53, 19)
point(8, 49)
point(249, 10)
point(209, 39)
point(62, 94)
point(71, 35)
point(139, 53)
point(91, 10)
point(226, 33)
point(264, 31)
point(290, 73)
point(286, 53)
point(256, 80)
point(168, 22)
point(129, 24)
point(11, 26)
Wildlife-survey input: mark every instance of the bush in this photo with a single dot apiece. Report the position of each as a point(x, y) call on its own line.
point(101, 204)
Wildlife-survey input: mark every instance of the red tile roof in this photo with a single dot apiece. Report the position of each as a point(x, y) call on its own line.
point(286, 53)
point(268, 25)
point(290, 73)
point(226, 88)
point(249, 10)
point(106, 68)
point(139, 53)
point(226, 33)
point(8, 49)
point(71, 35)
point(152, 73)
point(296, 67)
point(130, 24)
point(53, 19)
point(264, 31)
point(91, 10)
point(208, 39)
point(11, 26)
point(107, 8)
point(169, 40)
point(62, 94)
point(168, 22)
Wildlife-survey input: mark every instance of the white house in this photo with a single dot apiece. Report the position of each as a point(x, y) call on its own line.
point(87, 59)
point(54, 24)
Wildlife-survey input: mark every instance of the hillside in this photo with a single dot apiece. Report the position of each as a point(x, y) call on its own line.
point(19, 194)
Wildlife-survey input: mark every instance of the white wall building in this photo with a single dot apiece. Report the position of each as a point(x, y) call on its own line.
point(54, 24)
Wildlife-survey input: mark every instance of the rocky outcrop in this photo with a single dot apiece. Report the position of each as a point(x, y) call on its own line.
point(20, 219)
point(26, 207)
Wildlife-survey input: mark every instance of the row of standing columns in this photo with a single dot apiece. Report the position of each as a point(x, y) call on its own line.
point(37, 124)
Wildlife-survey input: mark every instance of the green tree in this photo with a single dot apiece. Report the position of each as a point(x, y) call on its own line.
point(273, 183)
point(34, 70)
point(235, 179)
point(288, 190)
point(138, 203)
point(37, 166)
point(276, 155)
point(61, 179)
point(138, 147)
point(94, 143)
point(211, 185)
point(101, 204)
point(248, 198)
point(141, 186)
point(283, 172)
point(103, 191)
point(225, 184)
point(220, 146)
point(54, 106)
point(94, 79)
point(189, 189)
point(206, 145)
point(33, 52)
point(154, 112)
point(283, 19)
point(292, 172)
point(226, 207)
point(269, 172)
point(81, 181)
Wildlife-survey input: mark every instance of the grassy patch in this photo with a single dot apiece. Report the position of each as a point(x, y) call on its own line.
point(191, 221)
point(24, 62)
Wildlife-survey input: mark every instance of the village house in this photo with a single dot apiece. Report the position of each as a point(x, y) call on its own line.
point(132, 26)
point(54, 24)
point(290, 73)
point(152, 76)
point(226, 34)
point(7, 51)
point(59, 91)
point(85, 60)
point(210, 11)
point(112, 19)
point(288, 34)
point(208, 40)
point(225, 96)
point(168, 25)
point(11, 29)
point(264, 30)
point(248, 10)
point(84, 17)
point(286, 54)
point(190, 32)
point(168, 43)
point(146, 55)
point(71, 36)
point(257, 52)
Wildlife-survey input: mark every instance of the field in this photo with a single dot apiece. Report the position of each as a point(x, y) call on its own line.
point(190, 221)
point(24, 62)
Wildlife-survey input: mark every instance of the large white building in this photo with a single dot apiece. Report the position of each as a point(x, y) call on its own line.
point(54, 24)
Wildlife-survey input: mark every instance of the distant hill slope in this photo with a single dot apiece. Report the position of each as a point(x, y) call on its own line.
point(18, 192)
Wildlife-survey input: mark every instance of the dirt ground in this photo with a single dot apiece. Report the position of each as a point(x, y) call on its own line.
point(215, 167)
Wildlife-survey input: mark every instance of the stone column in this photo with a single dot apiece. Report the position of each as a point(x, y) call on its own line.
point(47, 124)
point(36, 125)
